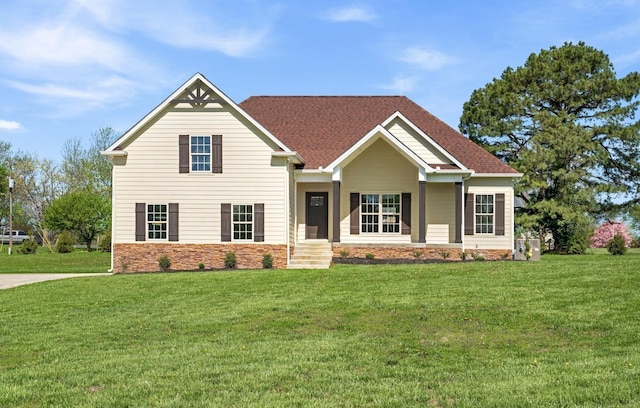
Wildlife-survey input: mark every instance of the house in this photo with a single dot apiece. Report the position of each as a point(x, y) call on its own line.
point(200, 176)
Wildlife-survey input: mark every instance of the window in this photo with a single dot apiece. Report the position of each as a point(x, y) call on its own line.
point(157, 221)
point(380, 213)
point(201, 153)
point(484, 213)
point(242, 222)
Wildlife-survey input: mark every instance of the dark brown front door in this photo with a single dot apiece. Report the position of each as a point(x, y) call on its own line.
point(317, 216)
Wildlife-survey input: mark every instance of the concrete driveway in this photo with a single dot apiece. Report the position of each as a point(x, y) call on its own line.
point(11, 280)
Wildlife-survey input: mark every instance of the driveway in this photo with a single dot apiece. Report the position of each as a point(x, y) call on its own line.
point(11, 280)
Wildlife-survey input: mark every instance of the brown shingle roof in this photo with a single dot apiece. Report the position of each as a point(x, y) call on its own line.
point(321, 128)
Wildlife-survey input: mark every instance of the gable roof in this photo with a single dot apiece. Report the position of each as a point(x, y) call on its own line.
point(212, 95)
point(322, 128)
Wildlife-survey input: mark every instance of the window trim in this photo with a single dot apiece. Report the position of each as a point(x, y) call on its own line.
point(380, 214)
point(164, 222)
point(249, 235)
point(208, 155)
point(477, 226)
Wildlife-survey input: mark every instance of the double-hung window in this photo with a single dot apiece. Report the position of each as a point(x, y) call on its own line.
point(380, 213)
point(201, 153)
point(242, 222)
point(157, 221)
point(484, 213)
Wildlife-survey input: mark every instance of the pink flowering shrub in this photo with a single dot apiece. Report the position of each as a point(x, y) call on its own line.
point(605, 233)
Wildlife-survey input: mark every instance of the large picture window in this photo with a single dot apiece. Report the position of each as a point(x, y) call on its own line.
point(484, 212)
point(201, 153)
point(242, 222)
point(380, 213)
point(157, 221)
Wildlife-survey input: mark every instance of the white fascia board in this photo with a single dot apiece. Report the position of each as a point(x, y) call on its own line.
point(293, 157)
point(398, 115)
point(388, 136)
point(114, 153)
point(197, 76)
point(312, 176)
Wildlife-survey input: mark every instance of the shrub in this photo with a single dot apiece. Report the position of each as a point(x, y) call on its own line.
point(445, 255)
point(617, 245)
point(635, 242)
point(105, 242)
point(230, 260)
point(477, 257)
point(574, 235)
point(164, 262)
point(344, 253)
point(267, 261)
point(201, 266)
point(463, 256)
point(65, 243)
point(417, 254)
point(369, 255)
point(505, 255)
point(29, 246)
point(607, 231)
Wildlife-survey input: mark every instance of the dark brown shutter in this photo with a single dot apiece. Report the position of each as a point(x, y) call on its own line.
point(354, 208)
point(216, 153)
point(225, 222)
point(499, 216)
point(173, 221)
point(458, 216)
point(183, 143)
point(141, 220)
point(258, 222)
point(468, 214)
point(406, 213)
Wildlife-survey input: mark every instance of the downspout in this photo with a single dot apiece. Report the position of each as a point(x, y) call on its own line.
point(288, 208)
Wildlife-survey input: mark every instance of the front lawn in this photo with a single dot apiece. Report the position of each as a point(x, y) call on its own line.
point(561, 332)
point(78, 261)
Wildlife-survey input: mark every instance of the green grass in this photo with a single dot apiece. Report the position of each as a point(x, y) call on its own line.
point(79, 261)
point(561, 332)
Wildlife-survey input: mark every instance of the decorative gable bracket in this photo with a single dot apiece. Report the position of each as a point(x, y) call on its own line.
point(198, 97)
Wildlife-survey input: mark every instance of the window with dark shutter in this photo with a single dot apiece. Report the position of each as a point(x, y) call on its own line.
point(173, 221)
point(354, 218)
point(406, 213)
point(468, 213)
point(183, 154)
point(225, 222)
point(141, 229)
point(499, 211)
point(258, 222)
point(216, 153)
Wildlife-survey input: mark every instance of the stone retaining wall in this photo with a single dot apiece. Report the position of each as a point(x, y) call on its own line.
point(185, 257)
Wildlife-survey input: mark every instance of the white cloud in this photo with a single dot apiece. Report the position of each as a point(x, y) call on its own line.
point(401, 85)
point(357, 14)
point(9, 125)
point(426, 59)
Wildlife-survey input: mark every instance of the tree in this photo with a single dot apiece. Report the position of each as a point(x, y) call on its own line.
point(607, 231)
point(568, 124)
point(86, 168)
point(83, 212)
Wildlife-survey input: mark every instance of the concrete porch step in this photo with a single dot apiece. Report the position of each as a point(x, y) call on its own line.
point(311, 255)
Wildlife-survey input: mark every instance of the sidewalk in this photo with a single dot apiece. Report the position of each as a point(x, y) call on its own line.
point(11, 280)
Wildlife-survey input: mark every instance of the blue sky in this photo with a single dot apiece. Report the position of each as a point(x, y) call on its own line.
point(71, 67)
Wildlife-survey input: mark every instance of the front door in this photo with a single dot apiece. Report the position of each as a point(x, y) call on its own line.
point(317, 216)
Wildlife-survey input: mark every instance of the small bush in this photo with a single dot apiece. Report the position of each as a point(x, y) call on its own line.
point(635, 242)
point(417, 254)
point(369, 255)
point(344, 253)
point(164, 262)
point(230, 260)
point(201, 266)
point(477, 257)
point(505, 255)
point(267, 261)
point(617, 245)
point(29, 246)
point(445, 255)
point(105, 242)
point(65, 243)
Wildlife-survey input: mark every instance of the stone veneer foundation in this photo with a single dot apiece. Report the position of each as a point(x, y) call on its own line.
point(143, 257)
point(417, 253)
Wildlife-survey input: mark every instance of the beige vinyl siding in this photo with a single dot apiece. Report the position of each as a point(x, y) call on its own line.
point(250, 175)
point(441, 210)
point(379, 169)
point(417, 143)
point(486, 185)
